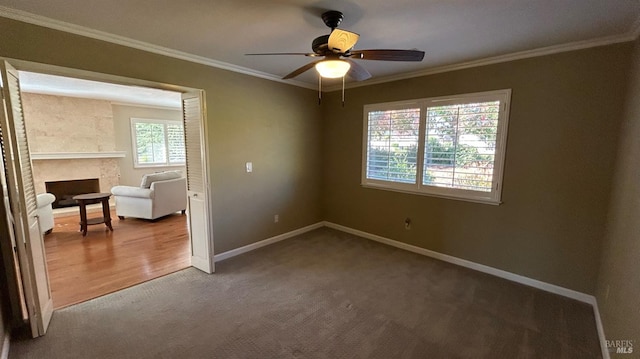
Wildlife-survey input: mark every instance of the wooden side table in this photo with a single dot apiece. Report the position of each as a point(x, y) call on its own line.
point(89, 198)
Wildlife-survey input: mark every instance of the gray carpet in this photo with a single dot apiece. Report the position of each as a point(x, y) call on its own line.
point(324, 294)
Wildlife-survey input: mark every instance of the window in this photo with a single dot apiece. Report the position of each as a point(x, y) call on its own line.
point(449, 147)
point(157, 142)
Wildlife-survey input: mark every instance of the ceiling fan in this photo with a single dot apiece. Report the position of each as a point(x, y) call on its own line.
point(338, 53)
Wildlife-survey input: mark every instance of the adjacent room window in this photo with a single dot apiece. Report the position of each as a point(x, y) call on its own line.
point(157, 142)
point(450, 146)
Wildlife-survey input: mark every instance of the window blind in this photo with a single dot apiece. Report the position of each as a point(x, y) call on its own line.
point(460, 145)
point(451, 146)
point(392, 146)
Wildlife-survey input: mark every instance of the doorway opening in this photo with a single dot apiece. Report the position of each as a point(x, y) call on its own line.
point(80, 141)
point(105, 250)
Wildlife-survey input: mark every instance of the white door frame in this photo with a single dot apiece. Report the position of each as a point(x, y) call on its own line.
point(22, 197)
point(194, 115)
point(29, 66)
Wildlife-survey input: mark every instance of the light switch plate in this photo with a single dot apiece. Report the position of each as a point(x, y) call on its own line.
point(249, 167)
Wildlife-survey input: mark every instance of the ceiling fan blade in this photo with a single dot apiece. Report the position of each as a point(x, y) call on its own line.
point(388, 55)
point(284, 53)
point(357, 72)
point(341, 41)
point(300, 70)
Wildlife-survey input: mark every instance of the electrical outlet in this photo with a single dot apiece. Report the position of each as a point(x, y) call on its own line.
point(276, 218)
point(407, 223)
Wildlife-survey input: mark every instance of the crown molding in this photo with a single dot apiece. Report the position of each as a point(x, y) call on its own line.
point(549, 50)
point(34, 19)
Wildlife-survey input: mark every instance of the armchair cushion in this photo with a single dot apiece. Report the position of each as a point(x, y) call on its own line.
point(130, 191)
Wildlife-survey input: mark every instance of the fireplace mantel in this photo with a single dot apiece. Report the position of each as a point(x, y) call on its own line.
point(75, 155)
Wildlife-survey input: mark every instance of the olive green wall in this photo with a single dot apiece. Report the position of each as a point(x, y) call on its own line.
point(563, 129)
point(276, 126)
point(565, 119)
point(618, 291)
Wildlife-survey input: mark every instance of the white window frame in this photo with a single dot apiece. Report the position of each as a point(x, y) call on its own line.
point(492, 197)
point(134, 141)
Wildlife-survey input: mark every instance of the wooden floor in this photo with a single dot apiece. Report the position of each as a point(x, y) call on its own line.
point(82, 268)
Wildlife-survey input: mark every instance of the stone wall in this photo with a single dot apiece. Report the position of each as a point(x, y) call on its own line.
point(57, 124)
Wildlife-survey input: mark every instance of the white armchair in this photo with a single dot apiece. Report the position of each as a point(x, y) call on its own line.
point(160, 194)
point(45, 211)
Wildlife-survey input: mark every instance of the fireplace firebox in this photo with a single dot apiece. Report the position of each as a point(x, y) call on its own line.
point(65, 190)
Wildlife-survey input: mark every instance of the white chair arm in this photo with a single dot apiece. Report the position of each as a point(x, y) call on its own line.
point(130, 191)
point(176, 184)
point(170, 195)
point(44, 199)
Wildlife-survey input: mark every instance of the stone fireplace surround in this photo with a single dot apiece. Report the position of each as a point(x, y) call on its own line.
point(105, 169)
point(78, 138)
point(71, 139)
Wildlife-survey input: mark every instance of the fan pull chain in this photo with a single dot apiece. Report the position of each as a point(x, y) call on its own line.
point(342, 91)
point(319, 89)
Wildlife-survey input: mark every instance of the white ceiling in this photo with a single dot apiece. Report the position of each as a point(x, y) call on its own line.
point(450, 31)
point(65, 86)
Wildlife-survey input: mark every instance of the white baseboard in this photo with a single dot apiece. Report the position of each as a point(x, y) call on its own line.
point(468, 264)
point(565, 292)
point(5, 345)
point(74, 211)
point(265, 242)
point(552, 288)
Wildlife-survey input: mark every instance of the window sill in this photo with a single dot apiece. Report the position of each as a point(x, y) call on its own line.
point(473, 200)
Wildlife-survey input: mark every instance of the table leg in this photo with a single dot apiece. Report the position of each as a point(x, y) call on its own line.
point(106, 213)
point(83, 217)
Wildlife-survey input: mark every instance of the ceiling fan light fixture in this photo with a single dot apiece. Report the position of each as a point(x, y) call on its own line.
point(333, 69)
